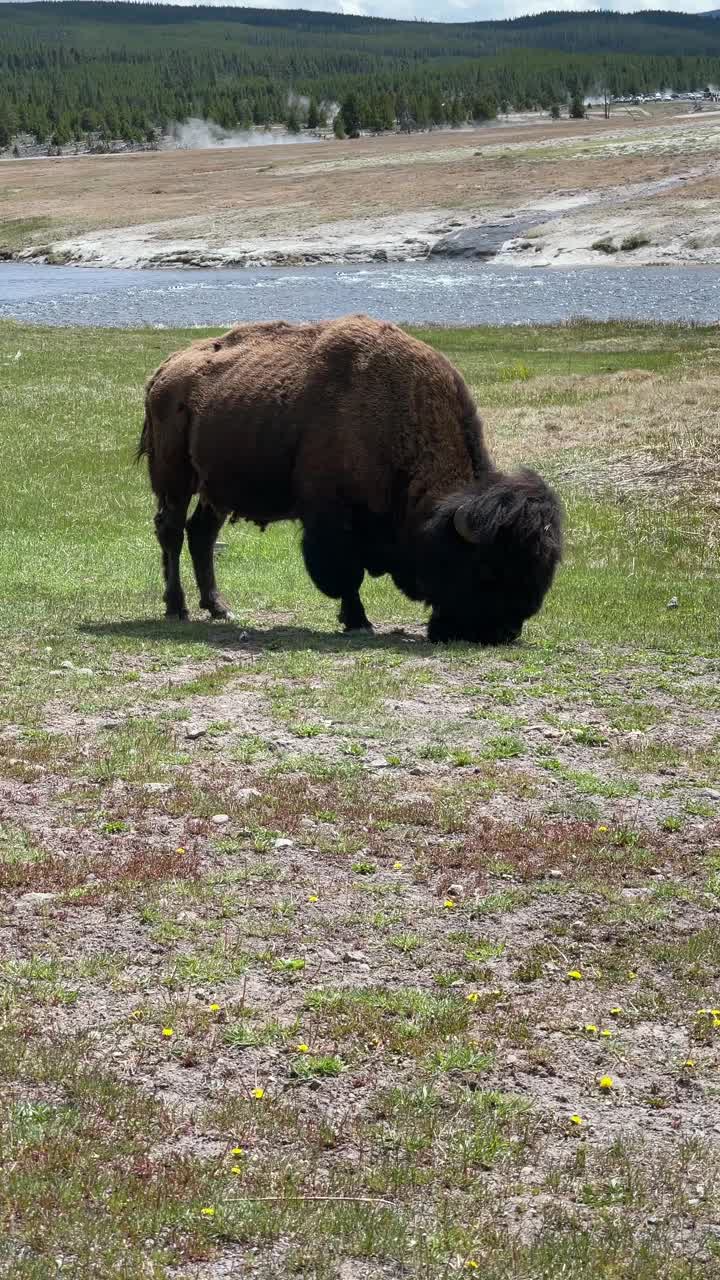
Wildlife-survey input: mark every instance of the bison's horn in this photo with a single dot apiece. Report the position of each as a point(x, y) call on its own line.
point(462, 526)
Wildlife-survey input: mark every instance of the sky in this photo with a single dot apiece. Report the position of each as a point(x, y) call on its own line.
point(464, 10)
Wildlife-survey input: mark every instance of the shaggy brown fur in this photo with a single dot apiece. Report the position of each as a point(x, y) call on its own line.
point(350, 426)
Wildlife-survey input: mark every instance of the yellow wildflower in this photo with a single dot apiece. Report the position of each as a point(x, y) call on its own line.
point(473, 997)
point(237, 1151)
point(631, 975)
point(606, 1033)
point(302, 1048)
point(716, 1022)
point(449, 903)
point(397, 866)
point(136, 1013)
point(606, 1082)
point(590, 1027)
point(313, 897)
point(575, 973)
point(168, 1031)
point(236, 1169)
point(576, 1120)
point(214, 1008)
point(257, 1093)
point(616, 1010)
point(689, 1062)
point(208, 1213)
point(181, 849)
point(472, 1265)
point(602, 828)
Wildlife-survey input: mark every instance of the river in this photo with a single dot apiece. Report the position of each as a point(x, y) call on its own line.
point(444, 293)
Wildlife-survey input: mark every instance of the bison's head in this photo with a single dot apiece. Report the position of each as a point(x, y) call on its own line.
point(489, 556)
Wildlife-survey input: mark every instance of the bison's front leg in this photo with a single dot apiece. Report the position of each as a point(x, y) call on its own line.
point(335, 565)
point(202, 531)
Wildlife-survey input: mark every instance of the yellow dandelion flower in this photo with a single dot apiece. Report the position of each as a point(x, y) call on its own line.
point(602, 828)
point(616, 1010)
point(181, 849)
point(302, 1048)
point(689, 1062)
point(208, 1213)
point(313, 897)
point(606, 1033)
point(236, 1169)
point(715, 1013)
point(606, 1082)
point(473, 997)
point(214, 1008)
point(716, 1022)
point(168, 1032)
point(472, 1265)
point(257, 1093)
point(576, 1120)
point(237, 1151)
point(449, 903)
point(590, 1027)
point(631, 975)
point(575, 973)
point(397, 866)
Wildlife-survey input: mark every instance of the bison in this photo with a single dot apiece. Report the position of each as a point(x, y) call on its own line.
point(371, 440)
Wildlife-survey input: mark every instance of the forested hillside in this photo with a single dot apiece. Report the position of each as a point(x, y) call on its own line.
point(124, 70)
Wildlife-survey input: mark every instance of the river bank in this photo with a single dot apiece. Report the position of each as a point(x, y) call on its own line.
point(644, 194)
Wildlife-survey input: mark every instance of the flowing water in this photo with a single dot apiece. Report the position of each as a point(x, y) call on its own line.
point(445, 293)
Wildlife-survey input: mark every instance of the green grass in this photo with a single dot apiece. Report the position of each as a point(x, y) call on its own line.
point(360, 1077)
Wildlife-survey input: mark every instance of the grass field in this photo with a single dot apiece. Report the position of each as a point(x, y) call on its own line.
point(354, 958)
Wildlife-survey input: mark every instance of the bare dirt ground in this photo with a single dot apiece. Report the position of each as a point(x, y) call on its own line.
point(645, 187)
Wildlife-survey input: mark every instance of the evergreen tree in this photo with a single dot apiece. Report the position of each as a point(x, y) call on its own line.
point(313, 118)
point(577, 107)
point(339, 126)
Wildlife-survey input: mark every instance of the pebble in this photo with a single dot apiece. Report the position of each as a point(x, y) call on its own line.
point(456, 891)
point(555, 874)
point(283, 843)
point(220, 819)
point(195, 731)
point(356, 957)
point(246, 794)
point(711, 792)
point(377, 762)
point(35, 899)
point(673, 603)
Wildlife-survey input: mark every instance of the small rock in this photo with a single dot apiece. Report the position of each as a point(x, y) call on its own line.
point(711, 793)
point(220, 819)
point(246, 794)
point(673, 603)
point(555, 873)
point(456, 891)
point(35, 899)
point(67, 665)
point(195, 731)
point(328, 957)
point(283, 843)
point(157, 788)
point(377, 762)
point(355, 957)
point(550, 732)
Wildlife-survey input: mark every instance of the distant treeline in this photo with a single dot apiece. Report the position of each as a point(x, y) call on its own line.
point(125, 70)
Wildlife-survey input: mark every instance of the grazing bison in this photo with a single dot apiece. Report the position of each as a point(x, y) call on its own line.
point(371, 440)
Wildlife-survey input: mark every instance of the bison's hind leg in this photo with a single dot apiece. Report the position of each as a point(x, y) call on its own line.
point(169, 529)
point(335, 564)
point(203, 528)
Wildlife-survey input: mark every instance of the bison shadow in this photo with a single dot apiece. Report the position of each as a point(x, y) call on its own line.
point(248, 639)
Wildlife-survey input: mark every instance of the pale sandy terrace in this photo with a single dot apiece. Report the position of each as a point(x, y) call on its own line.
point(388, 197)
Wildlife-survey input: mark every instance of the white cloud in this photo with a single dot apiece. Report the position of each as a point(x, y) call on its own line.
point(460, 10)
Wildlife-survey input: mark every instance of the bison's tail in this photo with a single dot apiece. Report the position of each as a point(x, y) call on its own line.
point(143, 449)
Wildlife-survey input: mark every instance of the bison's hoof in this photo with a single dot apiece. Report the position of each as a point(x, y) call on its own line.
point(359, 629)
point(177, 615)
